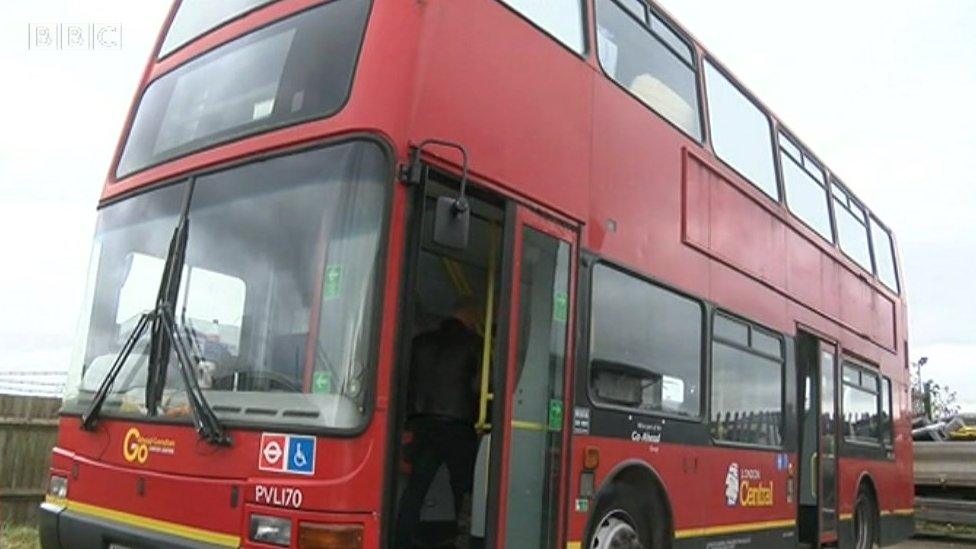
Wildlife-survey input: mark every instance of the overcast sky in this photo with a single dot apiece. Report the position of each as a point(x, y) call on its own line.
point(882, 91)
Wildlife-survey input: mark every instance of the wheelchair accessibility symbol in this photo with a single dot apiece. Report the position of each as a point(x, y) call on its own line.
point(301, 455)
point(300, 460)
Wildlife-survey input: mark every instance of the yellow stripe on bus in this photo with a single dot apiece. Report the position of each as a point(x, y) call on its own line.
point(529, 425)
point(896, 512)
point(161, 526)
point(733, 528)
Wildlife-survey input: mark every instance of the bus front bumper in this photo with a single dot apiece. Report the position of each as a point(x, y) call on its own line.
point(63, 528)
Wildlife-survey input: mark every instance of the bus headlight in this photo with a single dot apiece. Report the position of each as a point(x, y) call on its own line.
point(330, 536)
point(57, 488)
point(272, 530)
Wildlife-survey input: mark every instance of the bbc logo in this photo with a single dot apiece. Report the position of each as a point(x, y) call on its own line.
point(74, 36)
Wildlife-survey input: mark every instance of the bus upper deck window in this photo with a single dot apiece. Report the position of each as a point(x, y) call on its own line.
point(740, 132)
point(196, 17)
point(562, 19)
point(651, 62)
point(297, 69)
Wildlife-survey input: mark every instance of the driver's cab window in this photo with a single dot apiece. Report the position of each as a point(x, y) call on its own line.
point(212, 308)
point(210, 305)
point(139, 289)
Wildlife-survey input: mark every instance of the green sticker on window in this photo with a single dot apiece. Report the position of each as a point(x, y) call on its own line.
point(555, 414)
point(322, 382)
point(333, 281)
point(560, 306)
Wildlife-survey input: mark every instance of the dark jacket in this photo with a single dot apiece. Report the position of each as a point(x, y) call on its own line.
point(444, 368)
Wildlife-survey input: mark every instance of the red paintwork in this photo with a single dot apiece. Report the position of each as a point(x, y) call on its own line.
point(694, 478)
point(544, 126)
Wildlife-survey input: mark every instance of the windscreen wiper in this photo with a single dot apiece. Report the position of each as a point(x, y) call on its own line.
point(166, 337)
point(169, 288)
point(89, 418)
point(204, 418)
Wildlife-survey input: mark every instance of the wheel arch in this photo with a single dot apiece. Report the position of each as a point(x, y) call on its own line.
point(866, 482)
point(643, 476)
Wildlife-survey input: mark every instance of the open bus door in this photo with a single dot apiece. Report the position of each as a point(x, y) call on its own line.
point(819, 476)
point(827, 444)
point(527, 469)
point(521, 265)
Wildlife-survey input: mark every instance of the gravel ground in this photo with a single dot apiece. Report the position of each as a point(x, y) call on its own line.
point(932, 544)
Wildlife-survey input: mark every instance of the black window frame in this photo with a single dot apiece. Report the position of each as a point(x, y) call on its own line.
point(694, 64)
point(585, 21)
point(823, 180)
point(586, 335)
point(862, 370)
point(782, 359)
point(644, 6)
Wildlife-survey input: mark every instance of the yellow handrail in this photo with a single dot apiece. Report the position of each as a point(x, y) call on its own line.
point(484, 394)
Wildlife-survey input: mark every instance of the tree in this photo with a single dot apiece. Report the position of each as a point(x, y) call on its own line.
point(931, 399)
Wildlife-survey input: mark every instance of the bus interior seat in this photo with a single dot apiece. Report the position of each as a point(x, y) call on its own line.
point(663, 99)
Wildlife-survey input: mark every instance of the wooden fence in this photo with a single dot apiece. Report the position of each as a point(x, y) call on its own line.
point(28, 429)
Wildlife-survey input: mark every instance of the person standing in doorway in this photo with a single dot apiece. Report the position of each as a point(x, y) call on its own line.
point(442, 404)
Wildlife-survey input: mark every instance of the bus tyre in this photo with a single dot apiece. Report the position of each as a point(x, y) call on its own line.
point(865, 521)
point(626, 519)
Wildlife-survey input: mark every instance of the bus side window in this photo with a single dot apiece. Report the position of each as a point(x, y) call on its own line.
point(645, 346)
point(886, 420)
point(562, 19)
point(747, 383)
point(650, 61)
point(741, 133)
point(852, 226)
point(861, 405)
point(884, 255)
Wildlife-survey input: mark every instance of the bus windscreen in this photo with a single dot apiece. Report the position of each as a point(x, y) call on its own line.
point(278, 291)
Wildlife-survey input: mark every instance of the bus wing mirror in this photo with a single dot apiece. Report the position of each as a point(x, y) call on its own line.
point(452, 222)
point(452, 216)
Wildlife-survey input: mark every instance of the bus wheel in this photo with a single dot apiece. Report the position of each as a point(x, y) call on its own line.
point(865, 521)
point(624, 520)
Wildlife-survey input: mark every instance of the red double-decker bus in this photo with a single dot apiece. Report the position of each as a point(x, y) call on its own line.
point(692, 333)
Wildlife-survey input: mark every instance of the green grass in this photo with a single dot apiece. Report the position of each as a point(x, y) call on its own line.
point(19, 537)
point(945, 530)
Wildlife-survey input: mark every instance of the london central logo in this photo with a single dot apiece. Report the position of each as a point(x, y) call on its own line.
point(746, 488)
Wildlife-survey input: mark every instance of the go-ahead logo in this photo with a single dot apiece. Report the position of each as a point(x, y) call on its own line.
point(136, 448)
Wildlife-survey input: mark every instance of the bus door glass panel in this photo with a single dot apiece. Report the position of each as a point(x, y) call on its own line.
point(536, 395)
point(828, 444)
point(809, 478)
